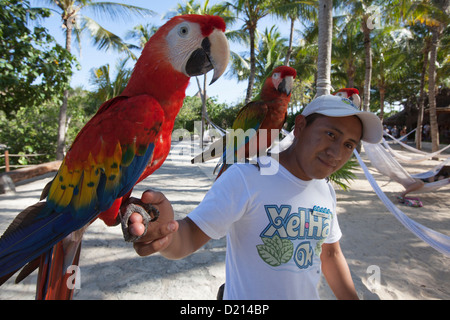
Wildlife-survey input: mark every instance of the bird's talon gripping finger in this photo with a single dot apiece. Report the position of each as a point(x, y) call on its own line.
point(144, 209)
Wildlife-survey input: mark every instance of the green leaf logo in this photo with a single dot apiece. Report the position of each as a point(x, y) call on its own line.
point(275, 251)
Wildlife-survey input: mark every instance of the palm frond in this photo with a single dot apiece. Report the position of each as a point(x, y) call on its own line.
point(104, 39)
point(117, 11)
point(343, 176)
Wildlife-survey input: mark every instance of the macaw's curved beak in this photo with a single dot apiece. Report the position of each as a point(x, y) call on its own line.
point(213, 54)
point(286, 85)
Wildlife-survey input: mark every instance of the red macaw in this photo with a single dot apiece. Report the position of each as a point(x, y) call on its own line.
point(127, 140)
point(268, 111)
point(351, 94)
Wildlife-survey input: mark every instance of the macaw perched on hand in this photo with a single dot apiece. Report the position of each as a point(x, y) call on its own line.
point(268, 111)
point(127, 140)
point(351, 94)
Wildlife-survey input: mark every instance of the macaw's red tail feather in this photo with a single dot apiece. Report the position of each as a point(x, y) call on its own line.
point(58, 269)
point(55, 283)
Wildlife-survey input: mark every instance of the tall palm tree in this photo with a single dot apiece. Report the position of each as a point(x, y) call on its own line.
point(74, 22)
point(347, 51)
point(293, 10)
point(251, 11)
point(269, 53)
point(435, 14)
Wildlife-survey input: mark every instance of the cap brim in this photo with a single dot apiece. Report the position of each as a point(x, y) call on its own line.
point(372, 128)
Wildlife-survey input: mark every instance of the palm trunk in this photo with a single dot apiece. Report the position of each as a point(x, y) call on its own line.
point(251, 78)
point(419, 131)
point(63, 109)
point(289, 51)
point(323, 84)
point(368, 64)
point(432, 89)
point(382, 95)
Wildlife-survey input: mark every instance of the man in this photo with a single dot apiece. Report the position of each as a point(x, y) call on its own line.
point(281, 229)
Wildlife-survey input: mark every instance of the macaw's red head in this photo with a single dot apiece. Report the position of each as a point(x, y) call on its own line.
point(186, 46)
point(281, 79)
point(351, 94)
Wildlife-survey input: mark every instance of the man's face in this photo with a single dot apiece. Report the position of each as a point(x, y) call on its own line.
point(324, 146)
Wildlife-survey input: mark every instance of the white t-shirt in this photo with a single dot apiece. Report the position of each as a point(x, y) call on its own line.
point(275, 225)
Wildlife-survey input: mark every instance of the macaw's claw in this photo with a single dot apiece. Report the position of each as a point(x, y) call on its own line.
point(144, 209)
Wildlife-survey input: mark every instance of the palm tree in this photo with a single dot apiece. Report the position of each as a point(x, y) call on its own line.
point(106, 86)
point(74, 22)
point(436, 16)
point(141, 33)
point(347, 52)
point(270, 50)
point(251, 11)
point(293, 10)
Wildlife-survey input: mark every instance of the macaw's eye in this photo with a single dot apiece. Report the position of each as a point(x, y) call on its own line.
point(276, 75)
point(183, 31)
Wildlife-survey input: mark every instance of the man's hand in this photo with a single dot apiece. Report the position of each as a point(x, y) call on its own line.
point(159, 233)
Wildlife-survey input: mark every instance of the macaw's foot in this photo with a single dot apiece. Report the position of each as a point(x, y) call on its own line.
point(148, 212)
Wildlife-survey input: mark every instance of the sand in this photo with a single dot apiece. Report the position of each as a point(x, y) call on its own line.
point(386, 260)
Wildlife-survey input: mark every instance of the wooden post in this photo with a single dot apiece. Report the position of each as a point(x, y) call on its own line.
point(6, 160)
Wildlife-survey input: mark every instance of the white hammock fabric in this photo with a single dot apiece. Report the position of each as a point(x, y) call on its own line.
point(382, 160)
point(437, 240)
point(424, 155)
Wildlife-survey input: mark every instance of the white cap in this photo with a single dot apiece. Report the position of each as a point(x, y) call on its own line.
point(335, 106)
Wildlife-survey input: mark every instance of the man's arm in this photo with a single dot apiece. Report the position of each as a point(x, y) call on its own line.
point(173, 239)
point(336, 272)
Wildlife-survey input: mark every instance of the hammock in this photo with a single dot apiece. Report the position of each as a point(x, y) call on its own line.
point(437, 240)
point(382, 160)
point(425, 155)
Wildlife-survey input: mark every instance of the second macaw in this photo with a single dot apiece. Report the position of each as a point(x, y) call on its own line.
point(127, 140)
point(351, 94)
point(266, 112)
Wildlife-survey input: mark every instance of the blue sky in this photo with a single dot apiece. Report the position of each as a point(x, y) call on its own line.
point(225, 89)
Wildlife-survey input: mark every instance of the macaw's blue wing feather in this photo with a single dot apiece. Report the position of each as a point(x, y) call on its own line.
point(104, 163)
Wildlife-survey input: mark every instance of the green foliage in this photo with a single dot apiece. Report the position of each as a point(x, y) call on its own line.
point(220, 114)
point(33, 67)
point(33, 130)
point(345, 175)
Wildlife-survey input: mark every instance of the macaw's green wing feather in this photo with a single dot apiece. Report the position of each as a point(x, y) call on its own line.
point(245, 128)
point(251, 116)
point(241, 142)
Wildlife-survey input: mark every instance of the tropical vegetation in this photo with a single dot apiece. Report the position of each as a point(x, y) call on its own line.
point(395, 52)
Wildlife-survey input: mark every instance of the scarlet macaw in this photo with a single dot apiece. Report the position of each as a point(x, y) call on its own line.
point(127, 140)
point(268, 111)
point(351, 94)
